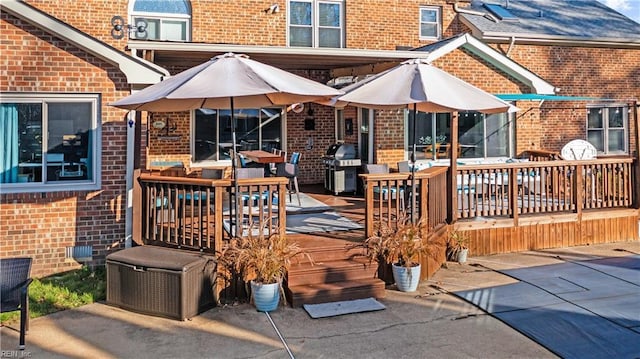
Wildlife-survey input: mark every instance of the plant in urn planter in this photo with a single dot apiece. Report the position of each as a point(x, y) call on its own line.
point(401, 244)
point(457, 246)
point(263, 261)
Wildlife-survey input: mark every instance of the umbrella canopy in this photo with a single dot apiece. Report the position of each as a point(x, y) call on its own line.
point(227, 81)
point(251, 84)
point(416, 83)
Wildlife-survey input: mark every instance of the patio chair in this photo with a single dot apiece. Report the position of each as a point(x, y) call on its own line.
point(404, 167)
point(14, 287)
point(272, 166)
point(290, 171)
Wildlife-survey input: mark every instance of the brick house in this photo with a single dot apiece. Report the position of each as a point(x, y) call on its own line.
point(64, 62)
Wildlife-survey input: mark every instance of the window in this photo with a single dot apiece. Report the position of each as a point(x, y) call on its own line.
point(432, 135)
point(166, 20)
point(482, 136)
point(429, 23)
point(314, 23)
point(49, 143)
point(340, 125)
point(607, 129)
point(255, 129)
point(479, 135)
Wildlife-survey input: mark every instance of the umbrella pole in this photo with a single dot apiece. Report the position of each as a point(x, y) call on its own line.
point(413, 166)
point(234, 157)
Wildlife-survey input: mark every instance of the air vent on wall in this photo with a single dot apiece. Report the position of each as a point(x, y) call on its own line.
point(80, 253)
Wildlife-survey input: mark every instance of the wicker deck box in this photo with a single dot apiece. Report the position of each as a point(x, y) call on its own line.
point(159, 281)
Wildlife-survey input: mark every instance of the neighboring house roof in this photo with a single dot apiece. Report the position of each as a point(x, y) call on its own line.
point(572, 22)
point(137, 71)
point(490, 55)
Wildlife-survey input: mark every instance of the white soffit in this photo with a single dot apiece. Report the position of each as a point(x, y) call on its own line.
point(503, 63)
point(137, 71)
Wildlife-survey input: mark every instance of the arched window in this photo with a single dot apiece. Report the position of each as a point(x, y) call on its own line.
point(166, 19)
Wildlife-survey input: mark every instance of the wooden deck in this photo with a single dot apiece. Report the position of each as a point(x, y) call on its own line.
point(509, 208)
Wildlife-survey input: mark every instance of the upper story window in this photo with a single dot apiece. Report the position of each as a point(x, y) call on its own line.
point(49, 143)
point(165, 19)
point(607, 129)
point(315, 23)
point(430, 26)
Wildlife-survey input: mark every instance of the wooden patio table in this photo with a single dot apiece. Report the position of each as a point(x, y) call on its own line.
point(263, 157)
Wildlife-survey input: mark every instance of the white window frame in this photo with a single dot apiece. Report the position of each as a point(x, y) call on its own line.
point(186, 18)
point(80, 185)
point(315, 16)
point(605, 123)
point(227, 162)
point(438, 22)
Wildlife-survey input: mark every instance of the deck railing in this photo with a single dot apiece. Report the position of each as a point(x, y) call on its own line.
point(512, 189)
point(392, 196)
point(199, 214)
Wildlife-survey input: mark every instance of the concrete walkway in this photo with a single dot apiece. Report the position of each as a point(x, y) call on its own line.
point(429, 323)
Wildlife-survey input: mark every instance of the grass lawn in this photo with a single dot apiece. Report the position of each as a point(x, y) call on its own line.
point(63, 291)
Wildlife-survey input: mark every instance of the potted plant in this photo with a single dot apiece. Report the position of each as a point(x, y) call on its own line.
point(401, 246)
point(457, 246)
point(263, 261)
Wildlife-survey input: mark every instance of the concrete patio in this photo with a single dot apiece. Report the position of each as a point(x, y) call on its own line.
point(429, 323)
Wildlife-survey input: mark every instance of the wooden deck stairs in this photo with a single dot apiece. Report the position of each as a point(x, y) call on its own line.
point(339, 271)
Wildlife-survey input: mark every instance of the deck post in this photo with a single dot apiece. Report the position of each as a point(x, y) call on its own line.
point(137, 210)
point(452, 187)
point(513, 196)
point(579, 190)
point(368, 221)
point(636, 178)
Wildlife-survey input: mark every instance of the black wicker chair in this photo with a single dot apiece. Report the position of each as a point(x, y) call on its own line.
point(14, 284)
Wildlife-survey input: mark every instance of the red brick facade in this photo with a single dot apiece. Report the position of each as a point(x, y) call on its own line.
point(42, 225)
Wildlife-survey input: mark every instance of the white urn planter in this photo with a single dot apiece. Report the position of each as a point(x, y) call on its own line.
point(407, 279)
point(266, 297)
point(462, 255)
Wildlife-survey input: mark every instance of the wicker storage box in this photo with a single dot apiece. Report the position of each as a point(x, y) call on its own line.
point(159, 281)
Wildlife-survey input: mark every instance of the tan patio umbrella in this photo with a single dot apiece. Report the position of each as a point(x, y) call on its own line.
point(420, 86)
point(227, 81)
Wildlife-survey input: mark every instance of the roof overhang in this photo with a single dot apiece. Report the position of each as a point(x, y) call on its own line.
point(137, 71)
point(287, 58)
point(538, 97)
point(543, 39)
point(495, 58)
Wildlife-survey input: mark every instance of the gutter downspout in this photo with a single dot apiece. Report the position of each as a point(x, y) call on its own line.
point(511, 45)
point(131, 135)
point(473, 12)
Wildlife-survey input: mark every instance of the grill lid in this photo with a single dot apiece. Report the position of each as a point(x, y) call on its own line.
point(342, 151)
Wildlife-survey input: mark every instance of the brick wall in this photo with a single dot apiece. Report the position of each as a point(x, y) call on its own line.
point(42, 225)
point(36, 62)
point(596, 72)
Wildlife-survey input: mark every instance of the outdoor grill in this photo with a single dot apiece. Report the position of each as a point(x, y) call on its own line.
point(340, 168)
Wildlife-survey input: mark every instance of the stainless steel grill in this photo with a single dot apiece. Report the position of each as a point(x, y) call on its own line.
point(340, 168)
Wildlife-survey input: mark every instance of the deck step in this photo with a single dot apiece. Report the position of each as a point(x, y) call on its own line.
point(331, 271)
point(335, 291)
point(332, 252)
